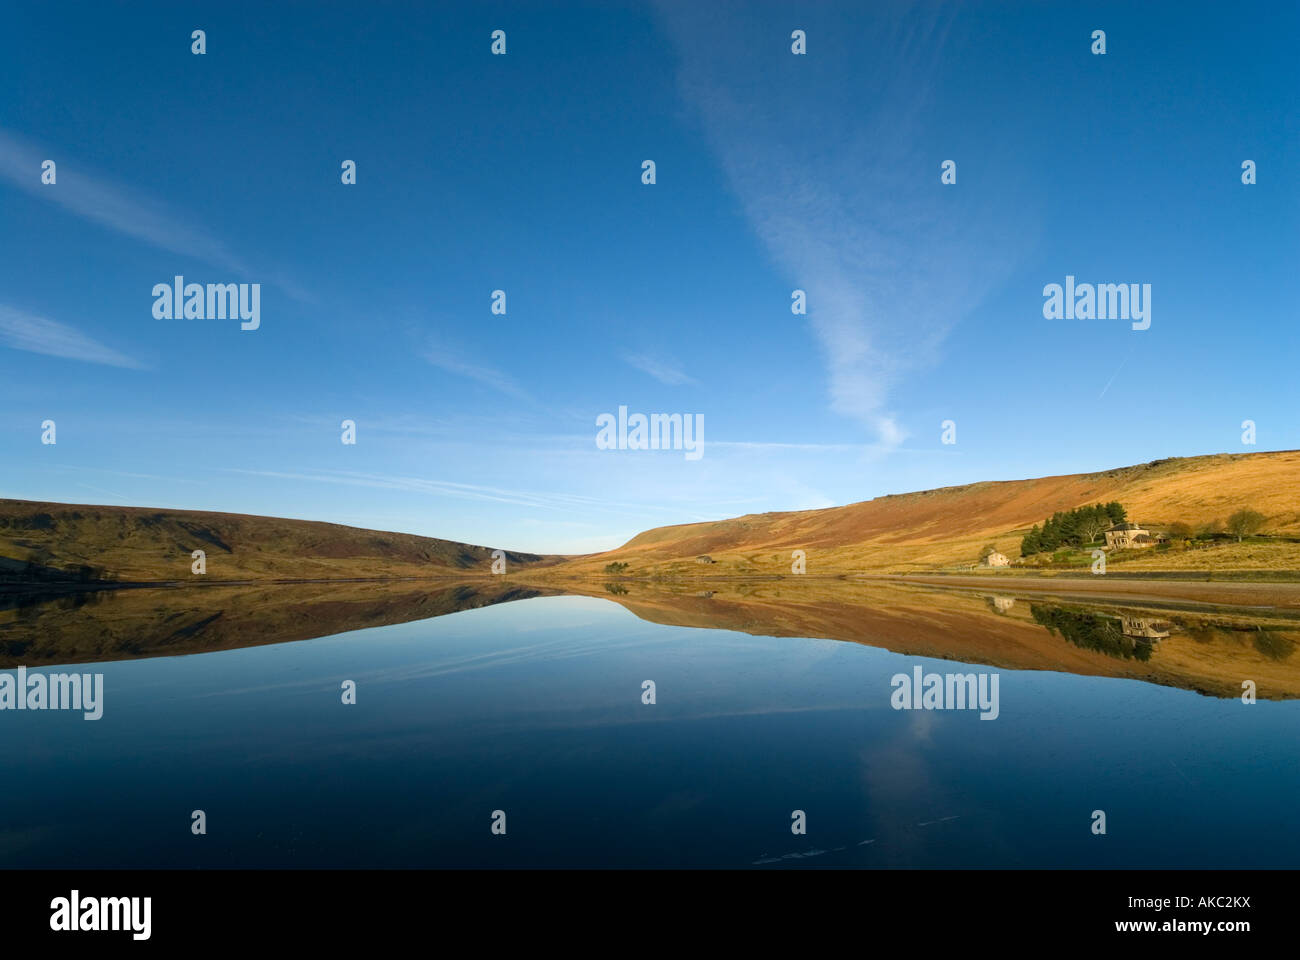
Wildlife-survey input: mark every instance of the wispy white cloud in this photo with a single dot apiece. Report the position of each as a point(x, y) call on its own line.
point(122, 209)
point(663, 369)
point(1114, 375)
point(115, 496)
point(550, 501)
point(114, 206)
point(25, 331)
point(777, 445)
point(831, 178)
point(404, 424)
point(454, 362)
point(122, 473)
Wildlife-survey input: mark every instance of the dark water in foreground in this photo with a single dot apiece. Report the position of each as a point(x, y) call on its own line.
point(534, 708)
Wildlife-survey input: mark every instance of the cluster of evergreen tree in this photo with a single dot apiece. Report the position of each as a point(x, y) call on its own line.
point(1072, 528)
point(1092, 632)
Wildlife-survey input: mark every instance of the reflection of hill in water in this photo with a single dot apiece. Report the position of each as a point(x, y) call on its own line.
point(102, 625)
point(1209, 653)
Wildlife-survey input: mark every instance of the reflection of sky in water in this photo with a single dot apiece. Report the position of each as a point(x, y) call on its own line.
point(535, 708)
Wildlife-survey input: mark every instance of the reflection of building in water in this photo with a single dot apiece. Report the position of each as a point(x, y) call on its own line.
point(1003, 603)
point(1147, 627)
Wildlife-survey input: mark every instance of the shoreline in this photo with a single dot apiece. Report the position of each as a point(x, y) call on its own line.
point(1257, 594)
point(1241, 593)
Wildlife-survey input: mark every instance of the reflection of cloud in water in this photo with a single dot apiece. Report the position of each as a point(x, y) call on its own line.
point(921, 725)
point(894, 775)
point(546, 651)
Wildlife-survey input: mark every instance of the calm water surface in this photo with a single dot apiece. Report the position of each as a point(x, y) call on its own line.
point(534, 708)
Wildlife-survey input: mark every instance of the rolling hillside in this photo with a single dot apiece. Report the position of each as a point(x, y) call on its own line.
point(55, 541)
point(937, 528)
point(904, 533)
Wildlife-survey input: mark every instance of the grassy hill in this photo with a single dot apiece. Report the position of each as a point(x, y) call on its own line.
point(934, 529)
point(55, 541)
point(913, 532)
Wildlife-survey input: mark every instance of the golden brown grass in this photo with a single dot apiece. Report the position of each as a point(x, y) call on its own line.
point(138, 544)
point(914, 532)
point(938, 529)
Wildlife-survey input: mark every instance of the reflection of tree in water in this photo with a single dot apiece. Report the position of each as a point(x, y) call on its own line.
point(1091, 631)
point(29, 606)
point(1269, 643)
point(1275, 646)
point(1200, 631)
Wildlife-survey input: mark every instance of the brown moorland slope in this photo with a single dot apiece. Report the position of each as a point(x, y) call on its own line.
point(901, 533)
point(936, 528)
point(57, 541)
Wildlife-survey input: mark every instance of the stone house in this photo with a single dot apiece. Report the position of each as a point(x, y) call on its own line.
point(1127, 536)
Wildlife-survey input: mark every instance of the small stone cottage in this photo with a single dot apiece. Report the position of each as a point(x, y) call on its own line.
point(1128, 536)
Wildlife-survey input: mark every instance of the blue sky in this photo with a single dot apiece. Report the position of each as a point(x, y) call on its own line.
point(523, 173)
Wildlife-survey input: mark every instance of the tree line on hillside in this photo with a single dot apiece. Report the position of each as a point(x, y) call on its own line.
point(1072, 527)
point(1244, 523)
